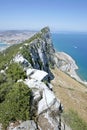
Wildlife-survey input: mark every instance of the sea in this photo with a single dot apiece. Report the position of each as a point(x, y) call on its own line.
point(74, 44)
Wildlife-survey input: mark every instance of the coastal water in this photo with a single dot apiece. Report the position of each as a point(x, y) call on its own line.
point(74, 44)
point(3, 46)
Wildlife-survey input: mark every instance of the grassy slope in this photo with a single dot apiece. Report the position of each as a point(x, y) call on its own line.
point(72, 94)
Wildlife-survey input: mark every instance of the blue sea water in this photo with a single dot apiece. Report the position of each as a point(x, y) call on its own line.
point(74, 44)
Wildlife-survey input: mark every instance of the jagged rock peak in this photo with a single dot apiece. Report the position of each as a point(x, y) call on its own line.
point(45, 29)
point(40, 35)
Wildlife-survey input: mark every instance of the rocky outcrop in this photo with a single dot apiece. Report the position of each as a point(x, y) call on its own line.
point(44, 103)
point(65, 62)
point(26, 125)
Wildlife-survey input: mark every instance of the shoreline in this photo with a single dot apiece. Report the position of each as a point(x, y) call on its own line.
point(4, 47)
point(69, 66)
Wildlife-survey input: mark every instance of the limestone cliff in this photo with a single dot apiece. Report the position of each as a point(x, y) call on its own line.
point(40, 51)
point(37, 55)
point(41, 54)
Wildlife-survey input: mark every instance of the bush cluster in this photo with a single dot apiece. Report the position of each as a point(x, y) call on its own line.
point(15, 97)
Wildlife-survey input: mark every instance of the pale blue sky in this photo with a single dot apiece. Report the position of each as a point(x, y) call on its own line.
point(59, 15)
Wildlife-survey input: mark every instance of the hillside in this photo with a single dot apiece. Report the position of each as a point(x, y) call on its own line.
point(26, 96)
point(72, 94)
point(34, 91)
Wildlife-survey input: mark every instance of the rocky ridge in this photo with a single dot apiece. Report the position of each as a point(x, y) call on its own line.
point(37, 56)
point(45, 105)
point(41, 57)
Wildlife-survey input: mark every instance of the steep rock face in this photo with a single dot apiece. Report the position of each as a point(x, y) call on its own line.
point(65, 62)
point(41, 55)
point(41, 51)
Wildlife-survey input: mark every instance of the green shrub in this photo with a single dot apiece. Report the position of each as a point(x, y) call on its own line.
point(4, 89)
point(15, 72)
point(16, 105)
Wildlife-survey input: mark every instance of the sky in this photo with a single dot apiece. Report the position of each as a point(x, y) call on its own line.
point(59, 15)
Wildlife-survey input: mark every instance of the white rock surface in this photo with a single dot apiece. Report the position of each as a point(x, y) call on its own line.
point(47, 101)
point(26, 125)
point(37, 96)
point(36, 74)
point(2, 72)
point(20, 59)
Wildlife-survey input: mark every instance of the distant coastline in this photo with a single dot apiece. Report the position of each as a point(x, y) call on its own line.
point(10, 37)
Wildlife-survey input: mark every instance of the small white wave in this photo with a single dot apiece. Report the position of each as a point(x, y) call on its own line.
point(75, 47)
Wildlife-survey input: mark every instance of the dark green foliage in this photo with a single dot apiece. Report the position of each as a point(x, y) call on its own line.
point(2, 78)
point(4, 90)
point(15, 72)
point(74, 121)
point(45, 30)
point(14, 97)
point(16, 105)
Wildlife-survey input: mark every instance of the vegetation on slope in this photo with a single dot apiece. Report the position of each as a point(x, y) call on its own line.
point(26, 54)
point(15, 72)
point(15, 97)
point(74, 121)
point(38, 35)
point(7, 55)
point(16, 105)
